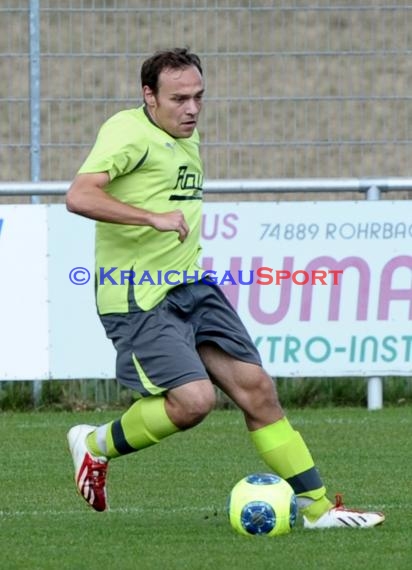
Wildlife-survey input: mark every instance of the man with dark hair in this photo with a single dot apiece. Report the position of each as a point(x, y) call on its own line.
point(175, 341)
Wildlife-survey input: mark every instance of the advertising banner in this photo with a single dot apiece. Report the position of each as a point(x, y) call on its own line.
point(324, 288)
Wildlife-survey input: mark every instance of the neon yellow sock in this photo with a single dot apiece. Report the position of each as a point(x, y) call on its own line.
point(285, 452)
point(92, 443)
point(143, 424)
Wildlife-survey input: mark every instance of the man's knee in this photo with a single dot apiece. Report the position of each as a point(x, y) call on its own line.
point(189, 404)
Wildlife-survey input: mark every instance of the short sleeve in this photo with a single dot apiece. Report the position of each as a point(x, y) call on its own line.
point(119, 147)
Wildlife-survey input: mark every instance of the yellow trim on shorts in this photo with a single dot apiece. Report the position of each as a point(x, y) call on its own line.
point(145, 380)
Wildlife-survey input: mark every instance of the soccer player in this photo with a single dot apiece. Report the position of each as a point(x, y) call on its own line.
point(175, 341)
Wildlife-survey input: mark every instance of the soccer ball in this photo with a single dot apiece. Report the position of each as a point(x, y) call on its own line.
point(262, 504)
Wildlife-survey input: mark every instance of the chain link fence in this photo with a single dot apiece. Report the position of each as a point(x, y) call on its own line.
point(294, 89)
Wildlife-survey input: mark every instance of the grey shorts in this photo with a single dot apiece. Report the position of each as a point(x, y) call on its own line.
point(157, 349)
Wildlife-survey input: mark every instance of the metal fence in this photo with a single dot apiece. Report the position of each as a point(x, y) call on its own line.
point(294, 89)
point(318, 90)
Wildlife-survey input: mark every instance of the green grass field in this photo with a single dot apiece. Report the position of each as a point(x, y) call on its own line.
point(168, 502)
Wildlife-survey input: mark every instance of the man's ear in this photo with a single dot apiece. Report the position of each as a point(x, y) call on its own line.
point(149, 96)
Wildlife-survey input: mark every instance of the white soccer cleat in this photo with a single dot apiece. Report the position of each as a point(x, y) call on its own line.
point(341, 517)
point(90, 471)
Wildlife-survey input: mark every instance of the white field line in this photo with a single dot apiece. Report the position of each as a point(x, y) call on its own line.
point(212, 511)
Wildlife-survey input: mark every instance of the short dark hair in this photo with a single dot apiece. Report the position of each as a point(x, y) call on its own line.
point(176, 58)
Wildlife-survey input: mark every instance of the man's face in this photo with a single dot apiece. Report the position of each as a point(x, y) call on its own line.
point(176, 106)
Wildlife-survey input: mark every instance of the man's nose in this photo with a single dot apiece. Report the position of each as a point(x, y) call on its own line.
point(192, 107)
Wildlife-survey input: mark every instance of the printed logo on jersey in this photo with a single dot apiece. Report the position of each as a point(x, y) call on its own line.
point(188, 184)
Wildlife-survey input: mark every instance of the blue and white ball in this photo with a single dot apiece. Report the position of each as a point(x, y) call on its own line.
point(262, 504)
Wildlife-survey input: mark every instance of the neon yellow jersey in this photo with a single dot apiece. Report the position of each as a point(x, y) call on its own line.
point(148, 169)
